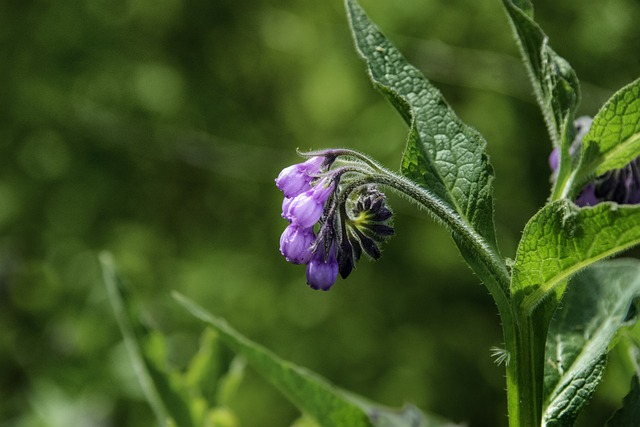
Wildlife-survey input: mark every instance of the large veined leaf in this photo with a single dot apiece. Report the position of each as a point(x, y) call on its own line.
point(598, 303)
point(614, 138)
point(443, 154)
point(317, 398)
point(554, 82)
point(562, 239)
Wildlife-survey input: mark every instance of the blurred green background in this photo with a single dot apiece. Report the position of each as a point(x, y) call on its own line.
point(153, 129)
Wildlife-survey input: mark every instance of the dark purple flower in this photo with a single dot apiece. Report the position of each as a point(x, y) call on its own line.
point(296, 179)
point(295, 244)
point(587, 196)
point(322, 270)
point(367, 226)
point(621, 185)
point(307, 208)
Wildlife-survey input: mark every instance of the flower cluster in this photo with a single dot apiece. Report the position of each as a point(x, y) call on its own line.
point(621, 185)
point(332, 219)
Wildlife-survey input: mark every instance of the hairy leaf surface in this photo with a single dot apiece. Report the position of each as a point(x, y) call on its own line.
point(599, 301)
point(554, 82)
point(614, 138)
point(442, 154)
point(562, 239)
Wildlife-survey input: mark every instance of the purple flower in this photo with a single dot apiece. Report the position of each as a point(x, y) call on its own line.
point(307, 208)
point(286, 204)
point(296, 179)
point(295, 244)
point(621, 185)
point(587, 196)
point(322, 271)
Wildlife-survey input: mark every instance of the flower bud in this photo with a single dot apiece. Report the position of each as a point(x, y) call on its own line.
point(307, 208)
point(322, 273)
point(295, 244)
point(296, 179)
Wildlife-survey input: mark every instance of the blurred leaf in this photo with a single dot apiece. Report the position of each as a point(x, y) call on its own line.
point(614, 138)
point(313, 395)
point(204, 370)
point(598, 303)
point(409, 416)
point(554, 82)
point(165, 391)
point(131, 342)
point(310, 393)
point(230, 381)
point(170, 385)
point(629, 414)
point(222, 417)
point(562, 239)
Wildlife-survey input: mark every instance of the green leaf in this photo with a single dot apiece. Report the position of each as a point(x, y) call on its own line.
point(312, 394)
point(629, 414)
point(443, 154)
point(554, 82)
point(562, 239)
point(614, 138)
point(598, 303)
point(165, 404)
point(204, 370)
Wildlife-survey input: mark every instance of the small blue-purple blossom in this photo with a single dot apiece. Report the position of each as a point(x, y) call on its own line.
point(296, 179)
point(306, 209)
point(322, 270)
point(296, 243)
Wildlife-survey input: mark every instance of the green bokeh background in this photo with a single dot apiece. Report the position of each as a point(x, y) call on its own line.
point(154, 130)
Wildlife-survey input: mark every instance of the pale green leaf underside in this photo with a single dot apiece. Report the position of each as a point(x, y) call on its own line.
point(561, 239)
point(596, 305)
point(555, 83)
point(614, 138)
point(443, 154)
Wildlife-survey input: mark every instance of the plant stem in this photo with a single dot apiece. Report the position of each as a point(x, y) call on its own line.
point(524, 328)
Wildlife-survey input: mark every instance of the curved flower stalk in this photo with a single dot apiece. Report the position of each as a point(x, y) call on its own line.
point(334, 216)
point(620, 185)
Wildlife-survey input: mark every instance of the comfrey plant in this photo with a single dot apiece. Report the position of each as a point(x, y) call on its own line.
point(563, 304)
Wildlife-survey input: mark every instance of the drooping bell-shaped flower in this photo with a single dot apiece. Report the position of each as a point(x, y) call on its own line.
point(296, 179)
point(306, 209)
point(322, 270)
point(295, 244)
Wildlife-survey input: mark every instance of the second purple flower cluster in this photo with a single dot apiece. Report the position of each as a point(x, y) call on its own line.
point(621, 185)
